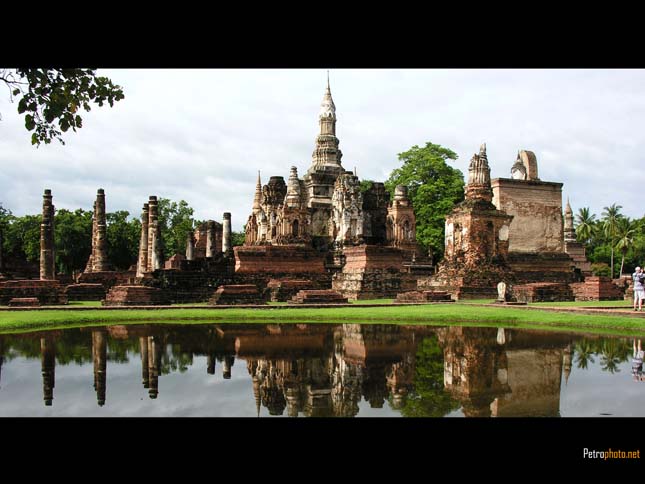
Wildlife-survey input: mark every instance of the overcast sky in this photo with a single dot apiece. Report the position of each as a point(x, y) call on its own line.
point(202, 135)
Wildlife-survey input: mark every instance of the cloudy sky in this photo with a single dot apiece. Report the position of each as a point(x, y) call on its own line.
point(202, 135)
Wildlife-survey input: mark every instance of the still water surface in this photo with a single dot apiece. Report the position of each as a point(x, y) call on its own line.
point(362, 370)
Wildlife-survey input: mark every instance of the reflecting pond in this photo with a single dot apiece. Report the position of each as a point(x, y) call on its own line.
point(249, 370)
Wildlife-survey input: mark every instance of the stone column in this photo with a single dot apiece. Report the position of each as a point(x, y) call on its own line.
point(154, 236)
point(47, 265)
point(142, 265)
point(210, 239)
point(227, 246)
point(99, 242)
point(90, 261)
point(99, 353)
point(190, 246)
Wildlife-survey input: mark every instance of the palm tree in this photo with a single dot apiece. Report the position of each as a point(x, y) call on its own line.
point(610, 217)
point(584, 352)
point(625, 232)
point(584, 221)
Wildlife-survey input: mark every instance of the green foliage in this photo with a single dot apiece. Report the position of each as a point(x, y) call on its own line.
point(429, 398)
point(434, 188)
point(122, 239)
point(72, 239)
point(585, 224)
point(237, 238)
point(21, 238)
point(600, 269)
point(365, 185)
point(50, 99)
point(176, 220)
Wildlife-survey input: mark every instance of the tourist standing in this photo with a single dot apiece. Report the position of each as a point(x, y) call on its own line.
point(639, 292)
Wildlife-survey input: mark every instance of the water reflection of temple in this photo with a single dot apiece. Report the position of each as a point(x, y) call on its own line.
point(505, 373)
point(327, 370)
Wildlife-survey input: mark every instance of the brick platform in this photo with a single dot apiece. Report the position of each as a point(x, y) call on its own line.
point(424, 296)
point(85, 292)
point(285, 289)
point(130, 295)
point(597, 288)
point(107, 278)
point(372, 272)
point(318, 297)
point(542, 292)
point(236, 294)
point(24, 302)
point(47, 292)
point(278, 259)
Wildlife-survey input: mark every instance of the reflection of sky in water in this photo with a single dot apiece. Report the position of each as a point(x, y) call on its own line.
point(592, 392)
point(588, 392)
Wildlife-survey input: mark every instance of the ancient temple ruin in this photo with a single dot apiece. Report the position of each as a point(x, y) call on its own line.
point(326, 224)
point(98, 260)
point(476, 240)
point(47, 290)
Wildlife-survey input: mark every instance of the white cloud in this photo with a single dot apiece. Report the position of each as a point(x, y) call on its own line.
point(201, 135)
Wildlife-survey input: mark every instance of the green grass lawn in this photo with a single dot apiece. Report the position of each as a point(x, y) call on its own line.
point(436, 314)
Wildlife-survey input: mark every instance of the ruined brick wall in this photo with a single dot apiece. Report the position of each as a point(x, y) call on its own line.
point(537, 225)
point(287, 259)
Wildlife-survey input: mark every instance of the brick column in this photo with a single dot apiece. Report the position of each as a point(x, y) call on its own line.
point(99, 242)
point(210, 239)
point(190, 246)
point(227, 246)
point(47, 255)
point(142, 265)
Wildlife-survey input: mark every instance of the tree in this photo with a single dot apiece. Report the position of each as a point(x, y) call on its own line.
point(73, 239)
point(22, 237)
point(5, 216)
point(176, 221)
point(433, 187)
point(610, 216)
point(429, 397)
point(625, 232)
point(51, 98)
point(584, 220)
point(122, 239)
point(237, 238)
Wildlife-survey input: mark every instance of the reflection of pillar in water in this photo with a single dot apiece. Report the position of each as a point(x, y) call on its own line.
point(256, 393)
point(1, 352)
point(210, 364)
point(154, 365)
point(48, 366)
point(228, 363)
point(99, 353)
point(145, 372)
point(294, 402)
point(566, 362)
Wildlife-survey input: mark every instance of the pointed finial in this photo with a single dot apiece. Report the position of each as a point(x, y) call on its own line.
point(482, 149)
point(355, 171)
point(327, 78)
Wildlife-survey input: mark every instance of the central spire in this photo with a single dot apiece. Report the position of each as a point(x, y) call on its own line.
point(326, 151)
point(327, 107)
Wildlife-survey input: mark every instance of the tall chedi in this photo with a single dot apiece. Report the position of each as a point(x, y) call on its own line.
point(476, 239)
point(325, 167)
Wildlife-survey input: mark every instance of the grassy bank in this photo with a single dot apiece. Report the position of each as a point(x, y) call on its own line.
point(457, 313)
